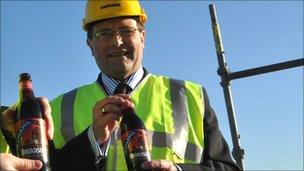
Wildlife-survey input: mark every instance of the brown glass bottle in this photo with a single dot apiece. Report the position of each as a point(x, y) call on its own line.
point(30, 127)
point(133, 136)
point(134, 140)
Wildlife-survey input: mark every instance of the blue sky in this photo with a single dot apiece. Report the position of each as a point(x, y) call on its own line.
point(46, 40)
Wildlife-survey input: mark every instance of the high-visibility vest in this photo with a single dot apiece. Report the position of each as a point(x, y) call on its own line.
point(4, 148)
point(172, 111)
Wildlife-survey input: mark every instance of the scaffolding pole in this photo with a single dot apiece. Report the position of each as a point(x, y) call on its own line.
point(223, 71)
point(266, 69)
point(226, 76)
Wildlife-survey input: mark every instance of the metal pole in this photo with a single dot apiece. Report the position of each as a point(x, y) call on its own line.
point(266, 69)
point(223, 71)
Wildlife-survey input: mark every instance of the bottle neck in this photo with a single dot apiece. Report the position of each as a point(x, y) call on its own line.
point(26, 90)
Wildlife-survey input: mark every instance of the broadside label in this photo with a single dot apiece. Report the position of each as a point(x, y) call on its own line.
point(31, 151)
point(135, 144)
point(31, 141)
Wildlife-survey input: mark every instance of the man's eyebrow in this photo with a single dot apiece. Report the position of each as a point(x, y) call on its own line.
point(104, 29)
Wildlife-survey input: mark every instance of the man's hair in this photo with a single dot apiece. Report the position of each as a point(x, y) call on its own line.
point(90, 26)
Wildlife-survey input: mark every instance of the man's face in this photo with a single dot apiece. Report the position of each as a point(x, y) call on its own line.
point(121, 54)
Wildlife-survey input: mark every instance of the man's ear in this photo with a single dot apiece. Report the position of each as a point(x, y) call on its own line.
point(143, 38)
point(89, 43)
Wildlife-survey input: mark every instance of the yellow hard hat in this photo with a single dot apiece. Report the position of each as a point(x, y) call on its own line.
point(105, 9)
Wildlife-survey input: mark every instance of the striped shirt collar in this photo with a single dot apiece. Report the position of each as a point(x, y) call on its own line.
point(111, 83)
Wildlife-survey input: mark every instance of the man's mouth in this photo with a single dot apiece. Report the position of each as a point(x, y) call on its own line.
point(119, 53)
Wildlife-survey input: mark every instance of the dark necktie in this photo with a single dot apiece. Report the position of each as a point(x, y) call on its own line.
point(122, 88)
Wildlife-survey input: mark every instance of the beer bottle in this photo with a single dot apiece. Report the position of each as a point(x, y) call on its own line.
point(30, 127)
point(134, 140)
point(133, 137)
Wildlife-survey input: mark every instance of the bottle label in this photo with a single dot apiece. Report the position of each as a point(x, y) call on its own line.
point(135, 144)
point(31, 140)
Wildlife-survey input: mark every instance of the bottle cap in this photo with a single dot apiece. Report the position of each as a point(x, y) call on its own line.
point(24, 76)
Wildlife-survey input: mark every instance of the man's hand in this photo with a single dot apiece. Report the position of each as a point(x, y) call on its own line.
point(106, 115)
point(7, 118)
point(159, 165)
point(10, 162)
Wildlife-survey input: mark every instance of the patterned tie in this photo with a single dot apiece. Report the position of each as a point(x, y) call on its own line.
point(122, 88)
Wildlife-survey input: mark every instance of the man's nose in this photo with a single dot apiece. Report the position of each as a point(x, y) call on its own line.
point(116, 40)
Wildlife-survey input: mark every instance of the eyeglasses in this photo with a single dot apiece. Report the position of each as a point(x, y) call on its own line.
point(109, 34)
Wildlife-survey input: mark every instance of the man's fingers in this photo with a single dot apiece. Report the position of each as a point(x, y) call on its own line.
point(26, 164)
point(112, 125)
point(103, 127)
point(46, 110)
point(106, 115)
point(154, 164)
point(158, 165)
point(11, 162)
point(7, 117)
point(117, 100)
point(109, 108)
point(49, 127)
point(110, 118)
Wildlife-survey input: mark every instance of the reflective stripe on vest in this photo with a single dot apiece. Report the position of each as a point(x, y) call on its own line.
point(180, 115)
point(67, 107)
point(178, 140)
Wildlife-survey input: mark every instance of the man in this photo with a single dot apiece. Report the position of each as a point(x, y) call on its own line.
point(182, 128)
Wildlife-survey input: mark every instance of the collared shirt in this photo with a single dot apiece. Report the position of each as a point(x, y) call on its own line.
point(110, 84)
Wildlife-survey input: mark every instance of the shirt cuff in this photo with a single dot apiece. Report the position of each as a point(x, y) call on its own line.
point(100, 150)
point(178, 167)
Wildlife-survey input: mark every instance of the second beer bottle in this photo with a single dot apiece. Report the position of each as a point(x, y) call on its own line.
point(133, 138)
